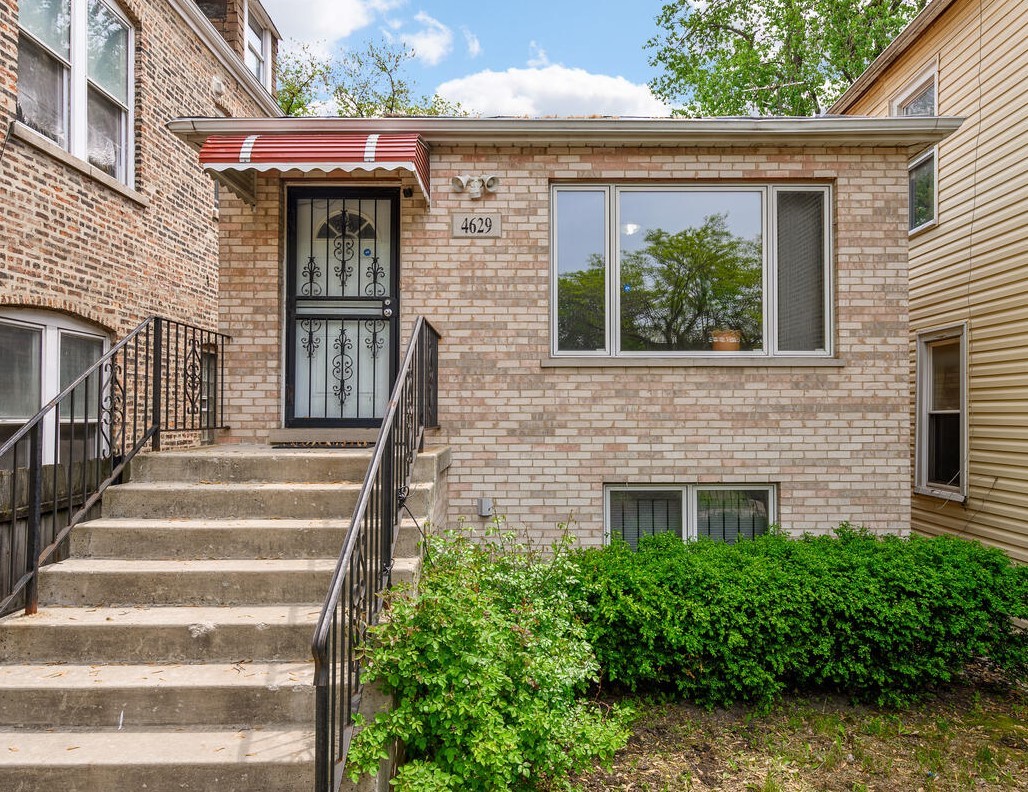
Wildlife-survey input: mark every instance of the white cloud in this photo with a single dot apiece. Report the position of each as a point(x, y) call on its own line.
point(472, 42)
point(432, 43)
point(324, 20)
point(551, 90)
point(538, 59)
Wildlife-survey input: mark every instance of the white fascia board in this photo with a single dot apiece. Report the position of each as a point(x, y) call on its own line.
point(713, 132)
point(206, 32)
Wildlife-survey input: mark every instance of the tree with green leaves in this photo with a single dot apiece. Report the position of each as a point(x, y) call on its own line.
point(768, 57)
point(364, 83)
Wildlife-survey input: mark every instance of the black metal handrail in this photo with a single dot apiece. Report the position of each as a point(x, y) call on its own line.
point(165, 376)
point(365, 563)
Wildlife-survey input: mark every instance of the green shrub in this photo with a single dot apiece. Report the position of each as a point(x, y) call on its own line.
point(880, 619)
point(487, 663)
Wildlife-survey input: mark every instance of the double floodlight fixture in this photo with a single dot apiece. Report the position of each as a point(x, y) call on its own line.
point(474, 186)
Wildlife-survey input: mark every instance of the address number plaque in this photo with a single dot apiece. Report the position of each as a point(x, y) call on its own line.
point(476, 226)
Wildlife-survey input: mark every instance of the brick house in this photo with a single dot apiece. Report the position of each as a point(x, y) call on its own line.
point(574, 383)
point(967, 225)
point(105, 217)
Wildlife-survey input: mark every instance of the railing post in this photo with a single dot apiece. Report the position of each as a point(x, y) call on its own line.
point(34, 529)
point(158, 366)
point(390, 508)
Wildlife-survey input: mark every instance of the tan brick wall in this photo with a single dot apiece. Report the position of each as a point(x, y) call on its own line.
point(71, 243)
point(543, 441)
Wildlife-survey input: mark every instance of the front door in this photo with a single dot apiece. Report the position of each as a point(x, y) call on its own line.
point(342, 312)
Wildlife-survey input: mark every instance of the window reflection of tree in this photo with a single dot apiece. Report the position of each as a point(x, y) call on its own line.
point(674, 292)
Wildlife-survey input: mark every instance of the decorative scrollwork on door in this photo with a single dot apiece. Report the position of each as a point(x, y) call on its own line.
point(310, 341)
point(342, 365)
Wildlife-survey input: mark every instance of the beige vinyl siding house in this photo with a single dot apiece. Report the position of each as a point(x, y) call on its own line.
point(968, 263)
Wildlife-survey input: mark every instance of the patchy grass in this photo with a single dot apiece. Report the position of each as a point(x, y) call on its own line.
point(971, 736)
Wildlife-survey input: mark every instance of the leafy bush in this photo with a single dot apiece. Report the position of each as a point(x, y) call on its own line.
point(877, 618)
point(486, 663)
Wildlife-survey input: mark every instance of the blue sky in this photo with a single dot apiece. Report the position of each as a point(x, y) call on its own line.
point(527, 57)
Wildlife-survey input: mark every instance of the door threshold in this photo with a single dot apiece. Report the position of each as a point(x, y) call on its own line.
point(323, 438)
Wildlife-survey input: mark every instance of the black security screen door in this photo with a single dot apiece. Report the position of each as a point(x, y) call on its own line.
point(342, 314)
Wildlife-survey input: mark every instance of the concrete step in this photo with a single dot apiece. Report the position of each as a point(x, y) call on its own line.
point(272, 759)
point(133, 696)
point(126, 537)
point(160, 634)
point(252, 463)
point(237, 463)
point(102, 581)
point(244, 499)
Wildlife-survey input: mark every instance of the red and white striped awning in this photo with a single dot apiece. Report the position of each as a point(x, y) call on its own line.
point(234, 154)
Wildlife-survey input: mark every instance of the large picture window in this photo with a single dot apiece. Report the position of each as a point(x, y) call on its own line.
point(75, 81)
point(685, 271)
point(941, 413)
point(724, 513)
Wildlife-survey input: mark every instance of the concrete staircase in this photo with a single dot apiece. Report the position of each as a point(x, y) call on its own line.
point(172, 651)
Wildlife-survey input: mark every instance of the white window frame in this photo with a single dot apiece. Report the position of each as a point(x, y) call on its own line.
point(690, 502)
point(265, 54)
point(928, 76)
point(933, 154)
point(53, 327)
point(923, 384)
point(769, 193)
point(77, 86)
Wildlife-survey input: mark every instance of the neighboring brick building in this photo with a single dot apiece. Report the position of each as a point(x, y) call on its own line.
point(105, 217)
point(572, 382)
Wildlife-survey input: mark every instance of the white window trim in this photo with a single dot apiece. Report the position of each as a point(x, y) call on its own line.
point(923, 385)
point(53, 326)
point(933, 153)
point(77, 87)
point(690, 503)
point(611, 351)
point(265, 25)
point(929, 75)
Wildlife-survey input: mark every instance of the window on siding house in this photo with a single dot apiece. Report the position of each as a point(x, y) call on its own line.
point(942, 413)
point(42, 354)
point(642, 271)
point(725, 513)
point(918, 98)
point(74, 80)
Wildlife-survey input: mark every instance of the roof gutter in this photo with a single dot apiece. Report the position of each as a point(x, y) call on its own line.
point(834, 131)
point(890, 54)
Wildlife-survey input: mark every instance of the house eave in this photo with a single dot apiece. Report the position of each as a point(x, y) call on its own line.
point(715, 132)
point(911, 33)
point(225, 55)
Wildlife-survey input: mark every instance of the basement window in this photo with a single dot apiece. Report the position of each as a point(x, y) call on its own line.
point(721, 512)
point(41, 354)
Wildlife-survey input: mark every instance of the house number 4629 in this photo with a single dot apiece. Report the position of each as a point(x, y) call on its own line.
point(476, 225)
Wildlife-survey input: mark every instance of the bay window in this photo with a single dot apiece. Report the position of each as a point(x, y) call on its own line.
point(74, 80)
point(672, 271)
point(722, 512)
